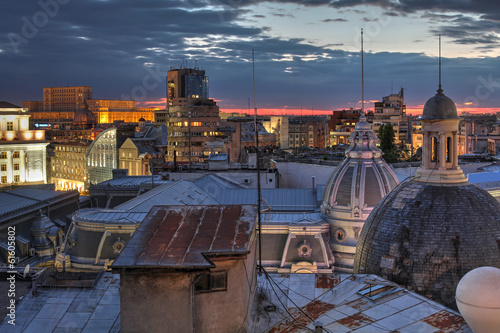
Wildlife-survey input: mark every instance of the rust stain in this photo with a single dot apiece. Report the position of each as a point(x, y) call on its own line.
point(314, 310)
point(355, 321)
point(327, 281)
point(359, 304)
point(445, 321)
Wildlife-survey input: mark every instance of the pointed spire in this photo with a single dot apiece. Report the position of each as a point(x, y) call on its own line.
point(440, 89)
point(362, 77)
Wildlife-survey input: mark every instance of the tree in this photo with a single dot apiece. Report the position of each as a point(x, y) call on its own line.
point(386, 138)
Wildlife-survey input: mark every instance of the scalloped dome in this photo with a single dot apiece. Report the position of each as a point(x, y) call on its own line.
point(351, 192)
point(439, 107)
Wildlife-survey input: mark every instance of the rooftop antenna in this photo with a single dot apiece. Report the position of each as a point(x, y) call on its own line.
point(362, 77)
point(258, 166)
point(440, 89)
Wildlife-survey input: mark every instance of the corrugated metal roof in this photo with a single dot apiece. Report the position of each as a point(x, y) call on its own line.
point(183, 236)
point(334, 302)
point(109, 216)
point(278, 199)
point(129, 181)
point(181, 192)
point(38, 194)
point(10, 203)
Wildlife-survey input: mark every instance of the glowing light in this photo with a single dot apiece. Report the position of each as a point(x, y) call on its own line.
point(28, 135)
point(24, 124)
point(39, 135)
point(10, 135)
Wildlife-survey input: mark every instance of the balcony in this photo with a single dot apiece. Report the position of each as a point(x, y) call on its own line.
point(22, 136)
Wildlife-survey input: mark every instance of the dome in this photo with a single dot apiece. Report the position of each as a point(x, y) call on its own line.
point(84, 117)
point(426, 237)
point(351, 192)
point(142, 119)
point(439, 107)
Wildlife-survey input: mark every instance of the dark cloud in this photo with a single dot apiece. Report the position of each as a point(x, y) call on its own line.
point(113, 45)
point(334, 20)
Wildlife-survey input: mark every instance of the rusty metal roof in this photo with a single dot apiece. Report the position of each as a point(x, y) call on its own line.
point(341, 303)
point(185, 237)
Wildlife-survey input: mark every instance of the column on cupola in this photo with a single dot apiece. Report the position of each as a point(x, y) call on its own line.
point(442, 151)
point(427, 150)
point(455, 151)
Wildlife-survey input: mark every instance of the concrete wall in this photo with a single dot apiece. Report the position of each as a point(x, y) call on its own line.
point(162, 302)
point(156, 302)
point(299, 175)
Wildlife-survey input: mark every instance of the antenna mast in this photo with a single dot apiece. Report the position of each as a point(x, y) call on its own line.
point(440, 89)
point(362, 77)
point(259, 221)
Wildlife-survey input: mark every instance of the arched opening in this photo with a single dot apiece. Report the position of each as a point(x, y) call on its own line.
point(448, 149)
point(434, 149)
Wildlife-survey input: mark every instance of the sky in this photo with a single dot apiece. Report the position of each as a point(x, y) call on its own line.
point(307, 53)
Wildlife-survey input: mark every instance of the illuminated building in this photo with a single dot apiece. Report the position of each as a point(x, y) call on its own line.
point(307, 131)
point(22, 151)
point(138, 154)
point(392, 110)
point(60, 104)
point(192, 119)
point(69, 167)
point(102, 155)
point(185, 85)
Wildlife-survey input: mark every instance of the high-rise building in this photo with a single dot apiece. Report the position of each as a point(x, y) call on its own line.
point(185, 85)
point(192, 118)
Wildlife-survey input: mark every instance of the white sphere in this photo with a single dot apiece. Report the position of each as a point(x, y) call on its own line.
point(478, 299)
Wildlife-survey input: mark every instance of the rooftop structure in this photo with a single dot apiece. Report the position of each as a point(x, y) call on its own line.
point(424, 235)
point(352, 191)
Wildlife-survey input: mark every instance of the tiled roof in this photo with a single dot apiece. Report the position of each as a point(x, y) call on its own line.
point(186, 236)
point(348, 303)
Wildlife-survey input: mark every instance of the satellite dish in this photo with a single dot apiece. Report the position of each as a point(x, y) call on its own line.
point(26, 270)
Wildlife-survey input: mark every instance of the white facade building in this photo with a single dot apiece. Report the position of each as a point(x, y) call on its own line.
point(23, 157)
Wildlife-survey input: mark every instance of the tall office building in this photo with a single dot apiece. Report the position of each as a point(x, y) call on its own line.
point(185, 86)
point(65, 98)
point(192, 118)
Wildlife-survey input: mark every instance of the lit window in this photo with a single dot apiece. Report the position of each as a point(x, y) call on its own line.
point(3, 155)
point(16, 166)
point(16, 154)
point(10, 126)
point(16, 178)
point(4, 167)
point(4, 179)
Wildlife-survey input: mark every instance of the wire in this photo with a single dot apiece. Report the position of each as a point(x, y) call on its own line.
point(286, 295)
point(284, 306)
point(250, 283)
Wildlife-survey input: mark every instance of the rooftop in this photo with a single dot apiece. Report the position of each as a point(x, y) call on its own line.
point(285, 303)
point(347, 303)
point(185, 237)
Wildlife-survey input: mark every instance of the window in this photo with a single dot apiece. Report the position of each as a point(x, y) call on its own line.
point(213, 281)
point(4, 167)
point(16, 166)
point(16, 154)
point(16, 178)
point(3, 155)
point(10, 126)
point(4, 179)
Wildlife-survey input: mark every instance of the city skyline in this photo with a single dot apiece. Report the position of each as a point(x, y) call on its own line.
point(307, 57)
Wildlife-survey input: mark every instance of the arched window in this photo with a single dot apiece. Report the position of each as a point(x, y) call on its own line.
point(434, 149)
